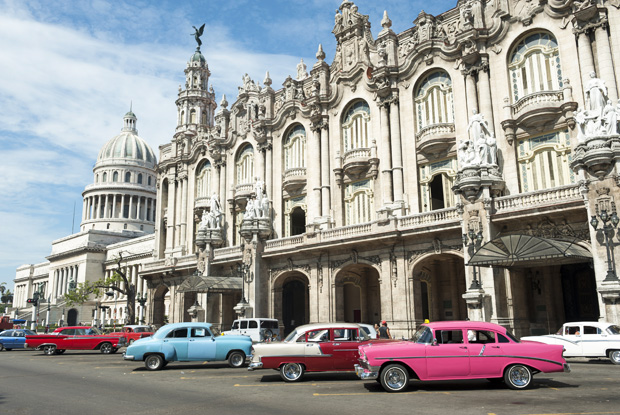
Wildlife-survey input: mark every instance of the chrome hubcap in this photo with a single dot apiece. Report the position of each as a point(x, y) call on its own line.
point(519, 376)
point(395, 378)
point(615, 356)
point(153, 363)
point(292, 371)
point(236, 359)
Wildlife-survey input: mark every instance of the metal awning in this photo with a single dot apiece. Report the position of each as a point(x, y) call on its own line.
point(526, 251)
point(201, 284)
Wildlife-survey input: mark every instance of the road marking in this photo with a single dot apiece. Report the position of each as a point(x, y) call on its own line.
point(367, 393)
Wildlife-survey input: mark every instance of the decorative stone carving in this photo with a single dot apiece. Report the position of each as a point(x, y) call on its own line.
point(301, 70)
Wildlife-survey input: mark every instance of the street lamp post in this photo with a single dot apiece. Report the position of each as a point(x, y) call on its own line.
point(243, 270)
point(47, 314)
point(141, 298)
point(610, 223)
point(473, 240)
point(111, 294)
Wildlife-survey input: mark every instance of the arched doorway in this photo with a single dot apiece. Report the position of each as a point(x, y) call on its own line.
point(72, 317)
point(159, 307)
point(358, 298)
point(438, 288)
point(293, 306)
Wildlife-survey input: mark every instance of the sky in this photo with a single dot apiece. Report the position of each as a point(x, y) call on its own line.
point(70, 70)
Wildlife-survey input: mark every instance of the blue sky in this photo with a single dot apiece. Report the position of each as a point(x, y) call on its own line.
point(69, 70)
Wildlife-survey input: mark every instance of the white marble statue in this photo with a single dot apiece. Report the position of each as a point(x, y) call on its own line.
point(264, 206)
point(596, 94)
point(215, 212)
point(301, 70)
point(483, 143)
point(250, 212)
point(259, 188)
point(610, 119)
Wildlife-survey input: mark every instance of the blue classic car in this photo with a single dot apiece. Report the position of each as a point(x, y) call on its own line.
point(187, 342)
point(14, 338)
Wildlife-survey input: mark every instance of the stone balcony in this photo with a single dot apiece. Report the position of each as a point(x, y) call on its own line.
point(435, 138)
point(294, 179)
point(538, 110)
point(357, 163)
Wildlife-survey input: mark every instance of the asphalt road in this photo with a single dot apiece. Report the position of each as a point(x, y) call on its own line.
point(92, 383)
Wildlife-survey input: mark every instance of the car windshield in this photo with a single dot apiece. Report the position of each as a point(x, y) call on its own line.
point(94, 331)
point(613, 329)
point(291, 337)
point(6, 333)
point(140, 329)
point(423, 335)
point(363, 335)
point(28, 332)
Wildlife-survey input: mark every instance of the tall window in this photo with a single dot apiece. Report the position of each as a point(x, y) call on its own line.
point(434, 101)
point(203, 180)
point(105, 177)
point(192, 117)
point(115, 176)
point(245, 165)
point(355, 126)
point(436, 181)
point(544, 161)
point(535, 66)
point(295, 216)
point(139, 178)
point(127, 177)
point(358, 201)
point(295, 148)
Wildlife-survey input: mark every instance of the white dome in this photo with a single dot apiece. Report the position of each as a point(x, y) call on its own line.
point(127, 146)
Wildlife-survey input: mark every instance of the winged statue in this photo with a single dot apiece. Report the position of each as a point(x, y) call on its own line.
point(198, 33)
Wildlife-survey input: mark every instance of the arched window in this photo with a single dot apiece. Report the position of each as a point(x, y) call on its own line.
point(115, 177)
point(192, 117)
point(205, 120)
point(182, 118)
point(434, 103)
point(96, 178)
point(105, 177)
point(139, 178)
point(436, 181)
point(148, 180)
point(544, 161)
point(127, 177)
point(358, 201)
point(295, 148)
point(295, 216)
point(355, 126)
point(203, 180)
point(245, 165)
point(535, 65)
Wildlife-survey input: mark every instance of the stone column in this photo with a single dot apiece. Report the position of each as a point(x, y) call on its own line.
point(605, 63)
point(313, 176)
point(470, 91)
point(178, 185)
point(397, 157)
point(325, 172)
point(269, 171)
point(486, 103)
point(84, 208)
point(586, 59)
point(184, 211)
point(130, 216)
point(170, 214)
point(114, 206)
point(260, 167)
point(385, 155)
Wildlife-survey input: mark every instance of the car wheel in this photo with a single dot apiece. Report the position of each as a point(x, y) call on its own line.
point(394, 378)
point(49, 350)
point(61, 351)
point(106, 348)
point(292, 372)
point(518, 377)
point(236, 359)
point(614, 356)
point(154, 362)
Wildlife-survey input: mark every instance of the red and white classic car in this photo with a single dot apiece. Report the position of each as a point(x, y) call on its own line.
point(75, 338)
point(133, 332)
point(320, 347)
point(450, 350)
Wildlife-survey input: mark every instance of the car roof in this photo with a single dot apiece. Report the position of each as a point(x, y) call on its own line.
point(73, 327)
point(591, 323)
point(133, 326)
point(316, 326)
point(187, 324)
point(465, 324)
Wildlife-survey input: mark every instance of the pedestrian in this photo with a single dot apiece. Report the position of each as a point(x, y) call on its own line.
point(384, 331)
point(47, 328)
point(377, 330)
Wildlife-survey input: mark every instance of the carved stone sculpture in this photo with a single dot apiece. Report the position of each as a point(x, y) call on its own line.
point(596, 94)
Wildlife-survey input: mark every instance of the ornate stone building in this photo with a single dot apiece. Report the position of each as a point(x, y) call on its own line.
point(463, 168)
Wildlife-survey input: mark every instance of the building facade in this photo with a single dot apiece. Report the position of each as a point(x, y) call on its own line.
point(464, 168)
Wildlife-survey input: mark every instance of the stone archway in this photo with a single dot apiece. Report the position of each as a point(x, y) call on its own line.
point(438, 288)
point(292, 300)
point(358, 294)
point(159, 307)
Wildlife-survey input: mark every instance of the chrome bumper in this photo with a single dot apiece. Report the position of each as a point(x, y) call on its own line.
point(566, 368)
point(128, 357)
point(362, 374)
point(255, 365)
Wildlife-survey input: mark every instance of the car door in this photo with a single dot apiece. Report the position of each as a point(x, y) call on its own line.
point(19, 339)
point(449, 356)
point(486, 355)
point(318, 350)
point(178, 340)
point(592, 343)
point(67, 340)
point(201, 344)
point(344, 348)
point(572, 340)
point(10, 339)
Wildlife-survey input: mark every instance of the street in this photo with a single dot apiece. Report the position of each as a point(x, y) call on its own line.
point(92, 383)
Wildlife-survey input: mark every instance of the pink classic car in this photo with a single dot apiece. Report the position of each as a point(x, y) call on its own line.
point(458, 350)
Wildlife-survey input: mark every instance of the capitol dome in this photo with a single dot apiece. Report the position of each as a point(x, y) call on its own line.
point(127, 146)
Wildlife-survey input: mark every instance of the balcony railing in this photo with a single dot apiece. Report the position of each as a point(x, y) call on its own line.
point(537, 199)
point(537, 98)
point(428, 218)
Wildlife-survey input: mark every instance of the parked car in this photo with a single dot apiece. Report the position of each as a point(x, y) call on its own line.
point(259, 329)
point(133, 332)
point(317, 347)
point(450, 350)
point(585, 339)
point(14, 338)
point(187, 342)
point(75, 338)
point(370, 330)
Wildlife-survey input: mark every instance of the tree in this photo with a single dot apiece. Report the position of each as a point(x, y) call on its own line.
point(6, 296)
point(84, 290)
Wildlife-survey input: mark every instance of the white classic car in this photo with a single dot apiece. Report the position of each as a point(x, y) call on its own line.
point(585, 339)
